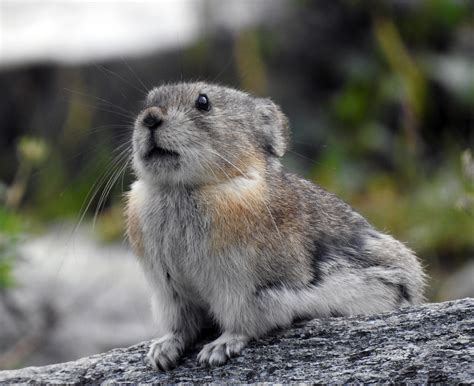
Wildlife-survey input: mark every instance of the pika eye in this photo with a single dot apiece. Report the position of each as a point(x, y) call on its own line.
point(202, 103)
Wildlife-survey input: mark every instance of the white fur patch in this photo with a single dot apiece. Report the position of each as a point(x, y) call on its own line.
point(138, 193)
point(250, 181)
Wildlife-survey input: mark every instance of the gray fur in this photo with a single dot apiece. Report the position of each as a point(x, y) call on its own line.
point(286, 249)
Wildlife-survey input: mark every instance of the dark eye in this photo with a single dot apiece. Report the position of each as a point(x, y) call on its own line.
point(202, 103)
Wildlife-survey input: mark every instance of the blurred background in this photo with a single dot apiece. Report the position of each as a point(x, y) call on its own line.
point(380, 96)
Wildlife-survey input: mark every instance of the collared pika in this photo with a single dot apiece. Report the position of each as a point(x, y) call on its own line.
point(225, 234)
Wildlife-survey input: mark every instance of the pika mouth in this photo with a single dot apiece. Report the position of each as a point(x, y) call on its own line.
point(159, 152)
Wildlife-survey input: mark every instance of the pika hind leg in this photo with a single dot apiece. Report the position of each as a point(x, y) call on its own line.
point(345, 292)
point(353, 292)
point(179, 322)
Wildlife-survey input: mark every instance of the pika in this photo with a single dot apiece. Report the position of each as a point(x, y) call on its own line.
point(226, 235)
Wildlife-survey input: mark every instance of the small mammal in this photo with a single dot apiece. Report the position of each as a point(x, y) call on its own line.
point(224, 233)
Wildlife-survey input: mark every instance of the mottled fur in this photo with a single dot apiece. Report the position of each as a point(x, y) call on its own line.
point(224, 233)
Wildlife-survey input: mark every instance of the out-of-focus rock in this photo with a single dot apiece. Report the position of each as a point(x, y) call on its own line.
point(460, 284)
point(73, 297)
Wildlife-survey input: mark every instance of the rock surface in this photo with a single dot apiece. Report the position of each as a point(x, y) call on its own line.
point(430, 343)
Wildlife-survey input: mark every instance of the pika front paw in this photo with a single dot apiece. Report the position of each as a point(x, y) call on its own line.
point(222, 349)
point(165, 352)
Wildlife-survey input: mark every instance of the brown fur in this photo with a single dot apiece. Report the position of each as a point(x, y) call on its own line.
point(134, 231)
point(234, 217)
point(245, 217)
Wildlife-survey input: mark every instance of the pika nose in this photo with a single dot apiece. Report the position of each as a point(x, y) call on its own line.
point(152, 119)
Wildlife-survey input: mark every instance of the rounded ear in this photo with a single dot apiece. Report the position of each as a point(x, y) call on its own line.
point(273, 127)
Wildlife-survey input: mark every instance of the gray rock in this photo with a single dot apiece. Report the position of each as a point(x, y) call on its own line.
point(73, 297)
point(430, 343)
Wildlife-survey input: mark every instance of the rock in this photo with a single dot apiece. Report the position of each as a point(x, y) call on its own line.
point(459, 284)
point(76, 299)
point(429, 343)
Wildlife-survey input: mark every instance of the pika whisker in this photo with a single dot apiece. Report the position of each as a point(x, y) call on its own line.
point(97, 185)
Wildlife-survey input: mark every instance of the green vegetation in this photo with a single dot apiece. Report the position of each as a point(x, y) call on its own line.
point(10, 234)
point(31, 153)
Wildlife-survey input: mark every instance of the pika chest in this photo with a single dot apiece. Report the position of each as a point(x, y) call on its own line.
point(175, 234)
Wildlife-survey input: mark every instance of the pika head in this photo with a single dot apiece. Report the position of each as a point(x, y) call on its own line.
point(196, 133)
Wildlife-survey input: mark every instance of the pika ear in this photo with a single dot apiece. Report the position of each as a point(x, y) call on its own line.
point(273, 127)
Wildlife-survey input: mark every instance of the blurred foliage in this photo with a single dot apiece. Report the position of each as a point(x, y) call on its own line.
point(10, 233)
point(380, 97)
point(250, 64)
point(466, 201)
point(31, 153)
